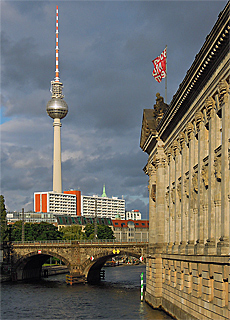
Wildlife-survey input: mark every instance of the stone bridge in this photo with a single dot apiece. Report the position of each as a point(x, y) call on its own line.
point(83, 259)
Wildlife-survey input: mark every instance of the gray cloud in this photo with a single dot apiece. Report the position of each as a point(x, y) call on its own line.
point(106, 49)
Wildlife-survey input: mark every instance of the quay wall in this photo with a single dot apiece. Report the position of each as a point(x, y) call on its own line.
point(189, 287)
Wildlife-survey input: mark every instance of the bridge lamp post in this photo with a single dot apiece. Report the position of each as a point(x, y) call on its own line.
point(95, 221)
point(23, 225)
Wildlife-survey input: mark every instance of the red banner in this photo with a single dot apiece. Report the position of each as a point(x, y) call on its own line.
point(159, 71)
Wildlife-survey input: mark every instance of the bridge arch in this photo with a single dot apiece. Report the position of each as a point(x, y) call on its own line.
point(92, 269)
point(29, 266)
point(28, 257)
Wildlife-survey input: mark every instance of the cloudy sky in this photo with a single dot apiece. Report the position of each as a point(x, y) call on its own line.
point(106, 53)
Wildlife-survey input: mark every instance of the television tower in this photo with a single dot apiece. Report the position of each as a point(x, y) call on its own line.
point(57, 109)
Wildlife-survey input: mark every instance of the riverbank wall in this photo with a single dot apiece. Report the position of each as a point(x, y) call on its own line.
point(53, 270)
point(46, 272)
point(189, 287)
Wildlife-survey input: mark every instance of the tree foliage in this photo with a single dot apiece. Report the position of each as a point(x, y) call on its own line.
point(103, 232)
point(3, 234)
point(35, 231)
point(89, 231)
point(73, 232)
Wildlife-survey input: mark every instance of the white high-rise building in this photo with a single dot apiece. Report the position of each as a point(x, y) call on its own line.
point(103, 206)
point(56, 203)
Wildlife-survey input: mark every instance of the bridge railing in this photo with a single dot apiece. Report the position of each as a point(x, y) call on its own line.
point(72, 242)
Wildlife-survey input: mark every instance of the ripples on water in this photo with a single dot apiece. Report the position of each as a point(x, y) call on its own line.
point(117, 297)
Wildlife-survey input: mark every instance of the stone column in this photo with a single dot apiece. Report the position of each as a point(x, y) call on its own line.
point(166, 184)
point(150, 170)
point(160, 196)
point(172, 194)
point(199, 118)
point(182, 193)
point(177, 215)
point(223, 245)
point(211, 114)
point(170, 204)
point(190, 135)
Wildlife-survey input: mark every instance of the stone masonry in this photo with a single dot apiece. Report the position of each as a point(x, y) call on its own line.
point(188, 147)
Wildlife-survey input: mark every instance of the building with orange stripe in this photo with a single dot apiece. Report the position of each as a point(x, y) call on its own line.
point(68, 202)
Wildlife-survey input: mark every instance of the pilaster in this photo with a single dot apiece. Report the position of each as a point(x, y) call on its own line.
point(223, 245)
point(177, 213)
point(160, 196)
point(169, 197)
point(182, 193)
point(190, 137)
point(151, 172)
point(199, 118)
point(210, 245)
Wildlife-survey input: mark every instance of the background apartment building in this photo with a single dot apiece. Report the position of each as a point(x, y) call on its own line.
point(133, 215)
point(103, 206)
point(72, 203)
point(57, 203)
point(131, 230)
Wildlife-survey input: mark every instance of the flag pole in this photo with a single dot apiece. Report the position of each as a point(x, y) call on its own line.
point(166, 78)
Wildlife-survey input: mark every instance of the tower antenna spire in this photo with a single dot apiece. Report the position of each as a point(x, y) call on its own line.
point(57, 49)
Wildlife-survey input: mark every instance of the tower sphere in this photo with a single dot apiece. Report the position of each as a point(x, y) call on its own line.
point(57, 108)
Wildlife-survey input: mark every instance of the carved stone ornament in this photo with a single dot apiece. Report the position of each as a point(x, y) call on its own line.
point(175, 147)
point(195, 181)
point(179, 190)
point(204, 174)
point(198, 118)
point(209, 105)
point(159, 108)
point(182, 139)
point(217, 166)
point(153, 192)
point(150, 169)
point(169, 154)
point(189, 130)
point(223, 89)
point(160, 162)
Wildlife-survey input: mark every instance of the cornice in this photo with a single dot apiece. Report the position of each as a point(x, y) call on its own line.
point(215, 48)
point(149, 143)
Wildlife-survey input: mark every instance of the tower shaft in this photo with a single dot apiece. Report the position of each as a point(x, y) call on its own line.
point(57, 177)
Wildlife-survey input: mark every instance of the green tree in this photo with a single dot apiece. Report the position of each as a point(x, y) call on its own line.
point(103, 232)
point(89, 231)
point(16, 233)
point(73, 232)
point(36, 231)
point(3, 234)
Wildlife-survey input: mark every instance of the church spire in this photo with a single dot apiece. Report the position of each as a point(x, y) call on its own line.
point(104, 194)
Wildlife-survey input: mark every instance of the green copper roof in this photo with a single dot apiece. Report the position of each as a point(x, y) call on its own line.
point(104, 194)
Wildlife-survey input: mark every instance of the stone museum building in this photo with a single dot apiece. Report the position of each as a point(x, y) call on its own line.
point(188, 147)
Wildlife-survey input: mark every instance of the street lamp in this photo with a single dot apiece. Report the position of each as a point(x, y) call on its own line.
point(95, 221)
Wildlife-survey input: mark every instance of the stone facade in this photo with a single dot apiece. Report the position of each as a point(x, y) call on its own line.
point(188, 144)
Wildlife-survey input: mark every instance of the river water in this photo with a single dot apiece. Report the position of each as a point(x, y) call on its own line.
point(117, 297)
